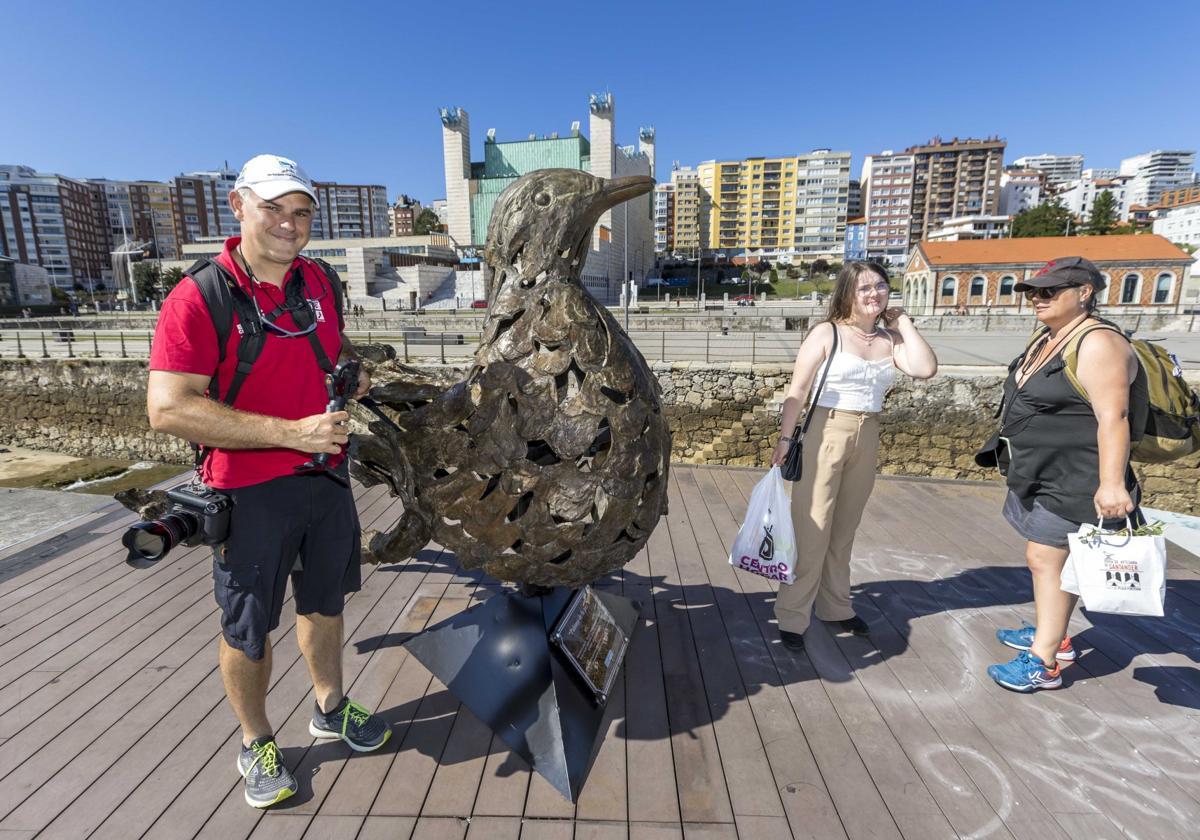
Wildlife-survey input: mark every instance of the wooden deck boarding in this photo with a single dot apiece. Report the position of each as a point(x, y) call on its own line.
point(113, 722)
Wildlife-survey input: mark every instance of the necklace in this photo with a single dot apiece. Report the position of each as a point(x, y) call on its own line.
point(1045, 350)
point(865, 336)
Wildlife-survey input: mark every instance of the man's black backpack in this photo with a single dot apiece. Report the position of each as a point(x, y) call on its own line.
point(225, 298)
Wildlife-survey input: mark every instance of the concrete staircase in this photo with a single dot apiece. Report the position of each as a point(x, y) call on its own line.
point(743, 442)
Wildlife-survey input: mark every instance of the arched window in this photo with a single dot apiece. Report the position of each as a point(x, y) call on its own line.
point(1162, 287)
point(1006, 285)
point(1131, 288)
point(949, 289)
point(978, 284)
point(924, 292)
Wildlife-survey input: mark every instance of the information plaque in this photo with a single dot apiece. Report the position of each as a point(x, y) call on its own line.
point(592, 640)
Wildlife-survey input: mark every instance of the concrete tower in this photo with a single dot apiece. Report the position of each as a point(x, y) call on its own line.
point(456, 150)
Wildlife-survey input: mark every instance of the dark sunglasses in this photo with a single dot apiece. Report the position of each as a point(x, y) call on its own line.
point(1048, 292)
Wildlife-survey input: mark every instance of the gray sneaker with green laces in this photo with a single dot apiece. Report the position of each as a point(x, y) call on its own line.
point(267, 781)
point(361, 730)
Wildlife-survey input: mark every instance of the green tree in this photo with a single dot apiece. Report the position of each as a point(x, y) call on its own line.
point(820, 266)
point(774, 276)
point(1048, 219)
point(58, 295)
point(1104, 215)
point(170, 279)
point(146, 277)
point(426, 222)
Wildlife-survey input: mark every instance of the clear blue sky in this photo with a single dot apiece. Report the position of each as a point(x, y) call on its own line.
point(351, 90)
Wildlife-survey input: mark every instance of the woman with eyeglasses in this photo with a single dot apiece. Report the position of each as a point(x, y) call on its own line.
point(1066, 458)
point(841, 445)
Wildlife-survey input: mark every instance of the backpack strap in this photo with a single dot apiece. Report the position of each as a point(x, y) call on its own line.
point(1070, 353)
point(225, 298)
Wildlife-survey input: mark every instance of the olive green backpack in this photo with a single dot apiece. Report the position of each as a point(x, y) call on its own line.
point(1160, 394)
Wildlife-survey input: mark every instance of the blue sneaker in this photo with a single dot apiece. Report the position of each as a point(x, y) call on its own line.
point(1022, 639)
point(1026, 673)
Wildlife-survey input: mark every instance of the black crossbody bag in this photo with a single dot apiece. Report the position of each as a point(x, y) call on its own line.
point(793, 462)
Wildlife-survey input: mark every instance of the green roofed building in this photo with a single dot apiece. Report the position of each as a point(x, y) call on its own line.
point(473, 187)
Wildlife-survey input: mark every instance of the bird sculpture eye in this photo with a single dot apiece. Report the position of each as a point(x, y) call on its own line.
point(542, 199)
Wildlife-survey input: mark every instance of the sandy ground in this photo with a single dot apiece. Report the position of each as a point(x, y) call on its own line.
point(22, 463)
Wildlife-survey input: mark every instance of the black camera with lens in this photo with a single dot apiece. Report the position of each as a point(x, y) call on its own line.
point(198, 516)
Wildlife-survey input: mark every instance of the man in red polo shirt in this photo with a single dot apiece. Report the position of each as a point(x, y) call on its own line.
point(283, 523)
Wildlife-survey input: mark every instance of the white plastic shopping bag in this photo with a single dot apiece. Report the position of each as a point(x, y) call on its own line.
point(766, 545)
point(1117, 574)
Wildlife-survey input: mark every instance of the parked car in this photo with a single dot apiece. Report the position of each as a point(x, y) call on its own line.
point(479, 304)
point(652, 282)
point(731, 281)
point(744, 300)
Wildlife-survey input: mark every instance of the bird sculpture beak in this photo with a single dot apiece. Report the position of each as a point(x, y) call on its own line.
point(618, 190)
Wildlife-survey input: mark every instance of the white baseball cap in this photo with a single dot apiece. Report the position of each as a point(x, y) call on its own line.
point(271, 176)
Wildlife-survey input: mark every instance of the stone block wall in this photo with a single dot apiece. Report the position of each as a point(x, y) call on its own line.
point(718, 414)
point(82, 407)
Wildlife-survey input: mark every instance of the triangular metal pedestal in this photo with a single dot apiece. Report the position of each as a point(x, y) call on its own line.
point(497, 659)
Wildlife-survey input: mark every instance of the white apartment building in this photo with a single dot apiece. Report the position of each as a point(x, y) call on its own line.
point(1155, 172)
point(350, 211)
point(1079, 196)
point(664, 218)
point(1057, 169)
point(1020, 190)
point(972, 227)
point(887, 180)
point(1180, 225)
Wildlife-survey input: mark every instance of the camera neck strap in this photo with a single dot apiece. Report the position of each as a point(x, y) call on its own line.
point(226, 301)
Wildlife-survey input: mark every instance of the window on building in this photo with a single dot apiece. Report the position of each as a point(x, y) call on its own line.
point(978, 283)
point(1129, 288)
point(1006, 286)
point(949, 288)
point(1162, 287)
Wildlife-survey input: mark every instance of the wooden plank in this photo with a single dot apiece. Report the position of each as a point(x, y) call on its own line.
point(753, 789)
point(325, 827)
point(699, 776)
point(504, 785)
point(547, 829)
point(601, 830)
point(655, 831)
point(439, 828)
point(494, 828)
point(387, 828)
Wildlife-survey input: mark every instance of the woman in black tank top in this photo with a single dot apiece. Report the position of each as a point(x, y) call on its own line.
point(1068, 456)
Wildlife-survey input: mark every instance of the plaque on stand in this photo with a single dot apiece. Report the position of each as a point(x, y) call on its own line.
point(538, 670)
point(592, 640)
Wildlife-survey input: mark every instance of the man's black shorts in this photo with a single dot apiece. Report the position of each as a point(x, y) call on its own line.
point(304, 526)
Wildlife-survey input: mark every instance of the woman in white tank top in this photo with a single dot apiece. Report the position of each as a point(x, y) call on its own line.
point(841, 447)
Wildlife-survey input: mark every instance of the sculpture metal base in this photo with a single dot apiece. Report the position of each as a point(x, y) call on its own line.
point(498, 660)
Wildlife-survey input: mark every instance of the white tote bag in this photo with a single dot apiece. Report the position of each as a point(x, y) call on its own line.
point(766, 545)
point(1116, 574)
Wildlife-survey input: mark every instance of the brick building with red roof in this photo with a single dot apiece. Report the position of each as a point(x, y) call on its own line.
point(1144, 273)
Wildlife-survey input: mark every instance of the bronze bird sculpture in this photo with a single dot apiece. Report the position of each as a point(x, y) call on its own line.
point(548, 464)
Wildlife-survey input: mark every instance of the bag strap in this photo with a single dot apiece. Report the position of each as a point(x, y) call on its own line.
point(1070, 353)
point(808, 415)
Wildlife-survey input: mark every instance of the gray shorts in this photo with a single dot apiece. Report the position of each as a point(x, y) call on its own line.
point(1041, 526)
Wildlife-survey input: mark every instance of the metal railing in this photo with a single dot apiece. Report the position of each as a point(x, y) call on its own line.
point(777, 347)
